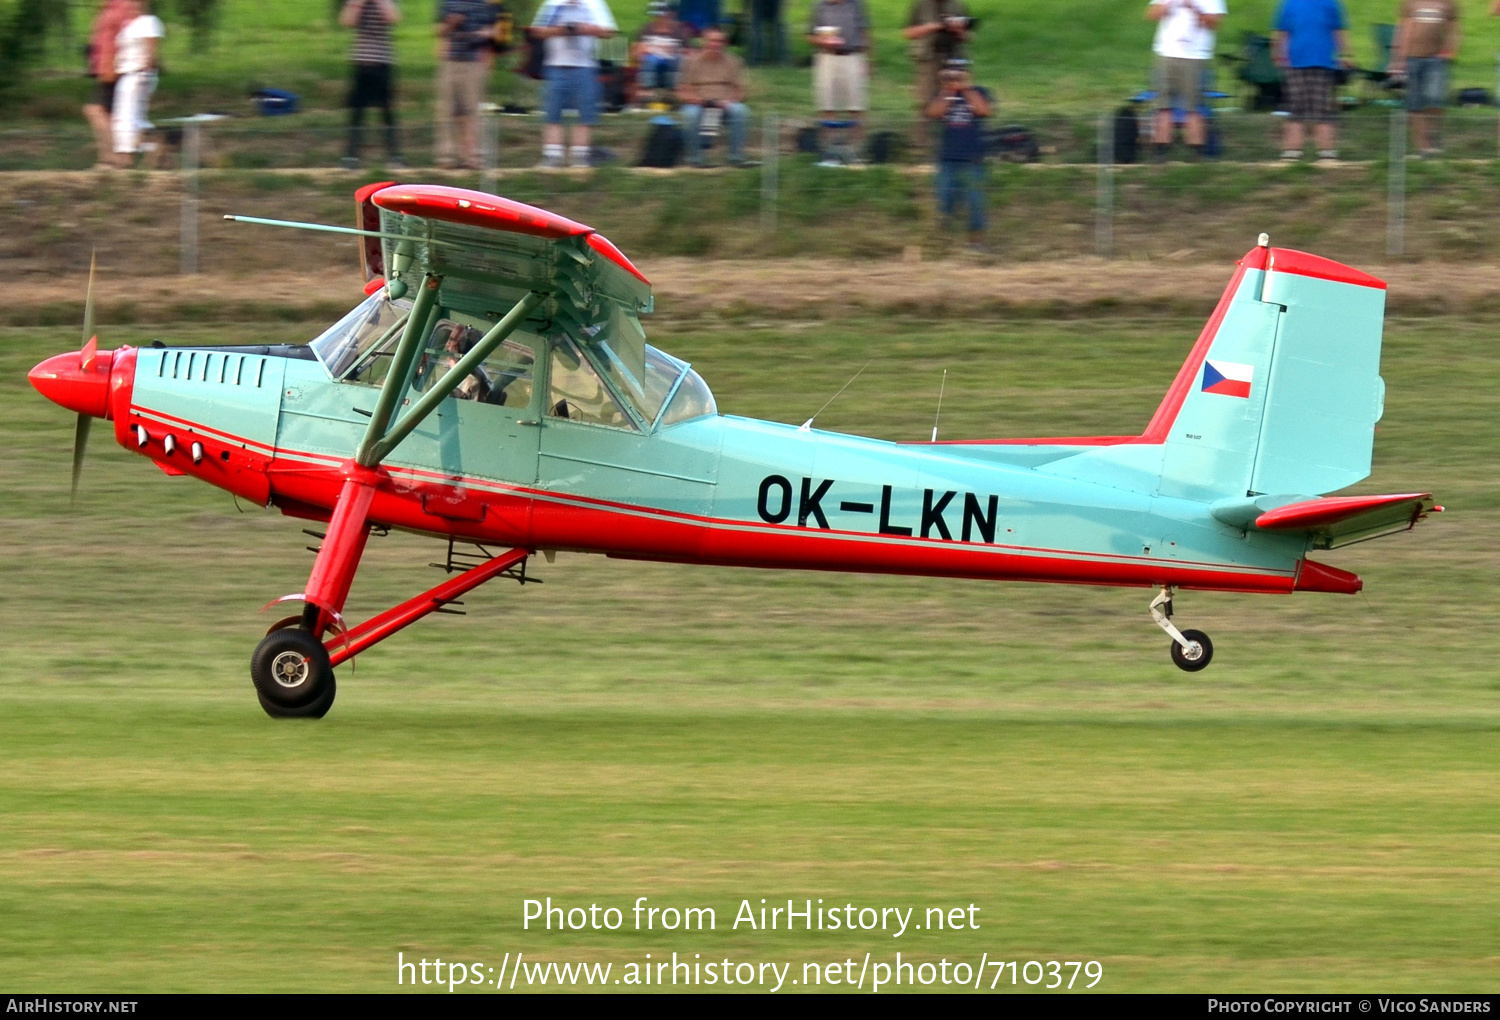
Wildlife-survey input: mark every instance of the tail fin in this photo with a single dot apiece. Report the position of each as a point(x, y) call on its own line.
point(1279, 396)
point(1282, 391)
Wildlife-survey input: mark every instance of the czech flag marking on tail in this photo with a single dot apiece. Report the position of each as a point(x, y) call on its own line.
point(1227, 378)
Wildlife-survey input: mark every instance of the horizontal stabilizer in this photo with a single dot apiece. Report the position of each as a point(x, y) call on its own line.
point(1340, 520)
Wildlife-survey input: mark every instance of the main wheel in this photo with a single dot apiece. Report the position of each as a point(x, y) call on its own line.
point(316, 709)
point(290, 669)
point(1188, 660)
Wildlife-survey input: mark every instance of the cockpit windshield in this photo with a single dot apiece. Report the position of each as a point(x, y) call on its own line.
point(643, 376)
point(375, 319)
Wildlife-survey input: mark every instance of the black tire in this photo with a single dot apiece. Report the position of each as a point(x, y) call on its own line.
point(290, 669)
point(1180, 657)
point(315, 710)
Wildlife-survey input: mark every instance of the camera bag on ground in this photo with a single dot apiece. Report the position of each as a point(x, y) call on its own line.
point(1013, 144)
point(1127, 130)
point(886, 147)
point(664, 144)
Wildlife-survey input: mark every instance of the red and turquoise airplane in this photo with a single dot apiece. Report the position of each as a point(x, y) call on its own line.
point(495, 387)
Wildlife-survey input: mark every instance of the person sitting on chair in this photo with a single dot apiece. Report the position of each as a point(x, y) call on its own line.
point(713, 85)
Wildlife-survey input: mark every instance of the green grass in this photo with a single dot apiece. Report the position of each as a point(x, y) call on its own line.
point(1072, 55)
point(1316, 811)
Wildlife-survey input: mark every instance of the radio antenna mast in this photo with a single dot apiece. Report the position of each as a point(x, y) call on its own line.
point(807, 425)
point(939, 414)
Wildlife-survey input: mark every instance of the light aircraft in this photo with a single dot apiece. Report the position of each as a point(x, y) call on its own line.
point(495, 388)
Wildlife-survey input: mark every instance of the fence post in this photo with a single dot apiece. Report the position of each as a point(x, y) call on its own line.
point(489, 154)
point(1104, 204)
point(192, 138)
point(1395, 221)
point(770, 169)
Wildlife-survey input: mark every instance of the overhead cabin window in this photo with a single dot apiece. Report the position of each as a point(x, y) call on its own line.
point(504, 378)
point(374, 325)
point(577, 393)
point(692, 400)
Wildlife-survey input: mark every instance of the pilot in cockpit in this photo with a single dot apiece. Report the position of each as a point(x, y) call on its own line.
point(457, 342)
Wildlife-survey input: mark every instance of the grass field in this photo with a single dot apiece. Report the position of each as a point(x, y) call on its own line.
point(1318, 810)
point(1065, 55)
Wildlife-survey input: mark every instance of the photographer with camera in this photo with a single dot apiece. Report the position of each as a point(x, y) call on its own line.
point(938, 31)
point(570, 31)
point(1184, 48)
point(960, 106)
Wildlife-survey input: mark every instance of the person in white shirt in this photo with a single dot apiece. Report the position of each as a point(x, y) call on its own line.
point(570, 30)
point(1184, 47)
point(136, 61)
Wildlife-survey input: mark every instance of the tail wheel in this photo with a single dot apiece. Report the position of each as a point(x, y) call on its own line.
point(1193, 660)
point(290, 669)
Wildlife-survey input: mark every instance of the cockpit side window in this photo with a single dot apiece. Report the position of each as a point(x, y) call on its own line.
point(575, 391)
point(693, 399)
point(504, 378)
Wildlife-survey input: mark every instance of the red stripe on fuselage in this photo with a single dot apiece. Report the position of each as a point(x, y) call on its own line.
point(541, 519)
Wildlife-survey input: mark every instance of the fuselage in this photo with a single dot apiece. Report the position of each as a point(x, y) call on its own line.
point(276, 428)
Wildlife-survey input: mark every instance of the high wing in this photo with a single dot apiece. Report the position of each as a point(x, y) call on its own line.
point(504, 250)
point(443, 245)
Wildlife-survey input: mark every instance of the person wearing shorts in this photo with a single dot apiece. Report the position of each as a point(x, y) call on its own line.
point(570, 31)
point(1425, 43)
point(464, 29)
point(136, 62)
point(98, 110)
point(1309, 43)
point(839, 31)
point(1184, 47)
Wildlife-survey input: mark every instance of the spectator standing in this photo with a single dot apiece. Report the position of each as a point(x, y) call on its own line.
point(938, 31)
point(698, 16)
point(658, 50)
point(1495, 13)
point(465, 30)
point(502, 43)
point(1310, 42)
point(714, 79)
point(97, 111)
point(839, 29)
point(1184, 48)
point(373, 60)
point(768, 32)
point(136, 61)
point(1426, 41)
point(570, 31)
point(960, 106)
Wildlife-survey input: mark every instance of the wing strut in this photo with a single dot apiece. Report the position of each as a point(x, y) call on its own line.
point(382, 447)
point(381, 437)
point(396, 376)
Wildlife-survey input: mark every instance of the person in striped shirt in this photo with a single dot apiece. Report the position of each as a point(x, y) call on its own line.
point(373, 60)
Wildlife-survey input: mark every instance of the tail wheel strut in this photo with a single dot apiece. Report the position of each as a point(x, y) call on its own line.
point(1191, 649)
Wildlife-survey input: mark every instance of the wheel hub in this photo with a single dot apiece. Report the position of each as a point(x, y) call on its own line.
point(290, 669)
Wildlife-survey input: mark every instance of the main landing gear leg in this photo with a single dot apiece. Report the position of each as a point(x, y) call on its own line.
point(1191, 649)
point(291, 667)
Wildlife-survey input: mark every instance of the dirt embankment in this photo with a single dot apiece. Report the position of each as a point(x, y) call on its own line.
point(793, 288)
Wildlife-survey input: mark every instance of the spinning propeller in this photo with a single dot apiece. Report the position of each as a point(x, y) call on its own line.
point(86, 358)
point(81, 380)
